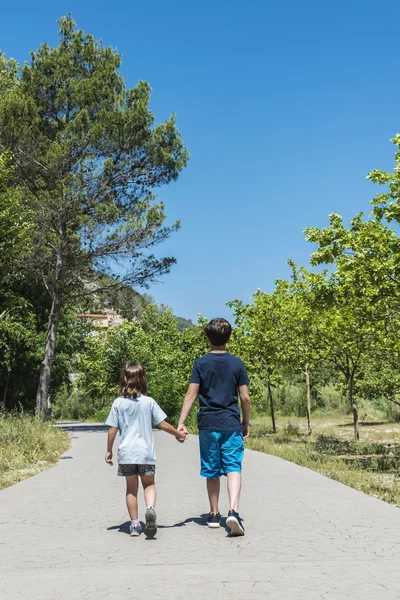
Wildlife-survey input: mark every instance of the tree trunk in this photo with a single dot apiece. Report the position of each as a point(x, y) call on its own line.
point(271, 401)
point(308, 396)
point(42, 395)
point(350, 385)
point(4, 399)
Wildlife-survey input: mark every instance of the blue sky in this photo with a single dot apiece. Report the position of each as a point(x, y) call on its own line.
point(285, 107)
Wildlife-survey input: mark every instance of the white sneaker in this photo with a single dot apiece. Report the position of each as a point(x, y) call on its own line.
point(135, 530)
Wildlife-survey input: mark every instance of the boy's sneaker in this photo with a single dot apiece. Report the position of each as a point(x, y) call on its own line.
point(213, 520)
point(135, 530)
point(151, 523)
point(234, 522)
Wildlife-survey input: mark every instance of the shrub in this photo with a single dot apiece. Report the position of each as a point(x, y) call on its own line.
point(393, 412)
point(291, 400)
point(292, 429)
point(331, 399)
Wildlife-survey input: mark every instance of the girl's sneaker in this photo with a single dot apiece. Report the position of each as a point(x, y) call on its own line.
point(213, 520)
point(151, 523)
point(135, 530)
point(234, 522)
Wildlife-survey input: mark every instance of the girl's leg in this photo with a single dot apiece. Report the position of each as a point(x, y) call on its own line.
point(149, 488)
point(132, 486)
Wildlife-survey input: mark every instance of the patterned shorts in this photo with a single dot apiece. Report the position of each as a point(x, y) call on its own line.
point(141, 470)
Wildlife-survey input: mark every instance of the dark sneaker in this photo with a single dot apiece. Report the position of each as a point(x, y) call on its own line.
point(151, 523)
point(135, 530)
point(213, 520)
point(234, 522)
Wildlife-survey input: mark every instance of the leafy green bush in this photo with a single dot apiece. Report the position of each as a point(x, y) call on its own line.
point(331, 399)
point(291, 399)
point(393, 412)
point(292, 429)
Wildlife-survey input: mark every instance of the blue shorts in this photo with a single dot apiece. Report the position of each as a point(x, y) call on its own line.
point(221, 452)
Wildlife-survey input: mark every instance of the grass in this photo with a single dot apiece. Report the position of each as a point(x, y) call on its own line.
point(27, 446)
point(370, 466)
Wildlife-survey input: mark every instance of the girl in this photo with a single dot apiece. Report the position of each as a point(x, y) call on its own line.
point(132, 414)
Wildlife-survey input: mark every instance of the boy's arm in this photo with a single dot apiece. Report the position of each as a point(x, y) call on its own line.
point(245, 403)
point(190, 397)
point(111, 435)
point(164, 426)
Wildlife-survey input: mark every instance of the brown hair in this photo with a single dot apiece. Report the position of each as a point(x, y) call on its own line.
point(133, 381)
point(218, 332)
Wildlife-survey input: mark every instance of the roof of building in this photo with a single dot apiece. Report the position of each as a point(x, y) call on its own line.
point(90, 316)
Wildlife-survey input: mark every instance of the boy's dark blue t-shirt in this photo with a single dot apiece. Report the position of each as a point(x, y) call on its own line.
point(219, 376)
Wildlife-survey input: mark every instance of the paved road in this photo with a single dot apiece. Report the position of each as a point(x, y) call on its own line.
point(63, 534)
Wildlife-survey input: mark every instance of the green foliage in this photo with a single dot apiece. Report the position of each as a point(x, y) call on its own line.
point(87, 156)
point(331, 399)
point(8, 74)
point(291, 429)
point(88, 150)
point(16, 225)
point(157, 342)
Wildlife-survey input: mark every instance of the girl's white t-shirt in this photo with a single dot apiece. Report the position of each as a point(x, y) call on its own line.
point(134, 418)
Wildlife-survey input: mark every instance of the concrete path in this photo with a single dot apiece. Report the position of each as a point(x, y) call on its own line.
point(63, 534)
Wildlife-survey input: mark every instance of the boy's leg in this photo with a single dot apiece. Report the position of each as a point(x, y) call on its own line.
point(234, 487)
point(210, 459)
point(232, 451)
point(132, 486)
point(213, 488)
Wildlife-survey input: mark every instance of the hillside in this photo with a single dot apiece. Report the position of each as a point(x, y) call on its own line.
point(130, 304)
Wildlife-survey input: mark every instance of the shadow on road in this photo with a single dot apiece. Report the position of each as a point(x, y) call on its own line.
point(201, 520)
point(87, 427)
point(123, 528)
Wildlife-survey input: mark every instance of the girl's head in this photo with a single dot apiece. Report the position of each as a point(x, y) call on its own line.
point(133, 381)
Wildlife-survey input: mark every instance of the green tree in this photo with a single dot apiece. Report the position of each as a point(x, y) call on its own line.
point(297, 321)
point(88, 154)
point(353, 327)
point(258, 338)
point(18, 338)
point(16, 227)
point(8, 74)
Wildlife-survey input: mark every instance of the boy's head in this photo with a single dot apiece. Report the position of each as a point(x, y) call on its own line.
point(133, 381)
point(218, 332)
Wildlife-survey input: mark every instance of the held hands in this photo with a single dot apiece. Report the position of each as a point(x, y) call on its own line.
point(108, 458)
point(183, 433)
point(181, 437)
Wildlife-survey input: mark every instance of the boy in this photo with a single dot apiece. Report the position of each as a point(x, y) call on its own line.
point(218, 378)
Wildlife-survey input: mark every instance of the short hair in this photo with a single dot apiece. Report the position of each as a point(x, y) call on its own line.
point(218, 332)
point(133, 380)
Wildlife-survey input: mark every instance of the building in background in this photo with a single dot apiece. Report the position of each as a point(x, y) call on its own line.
point(109, 318)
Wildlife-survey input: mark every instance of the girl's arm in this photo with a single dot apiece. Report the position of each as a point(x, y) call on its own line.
point(164, 426)
point(112, 432)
